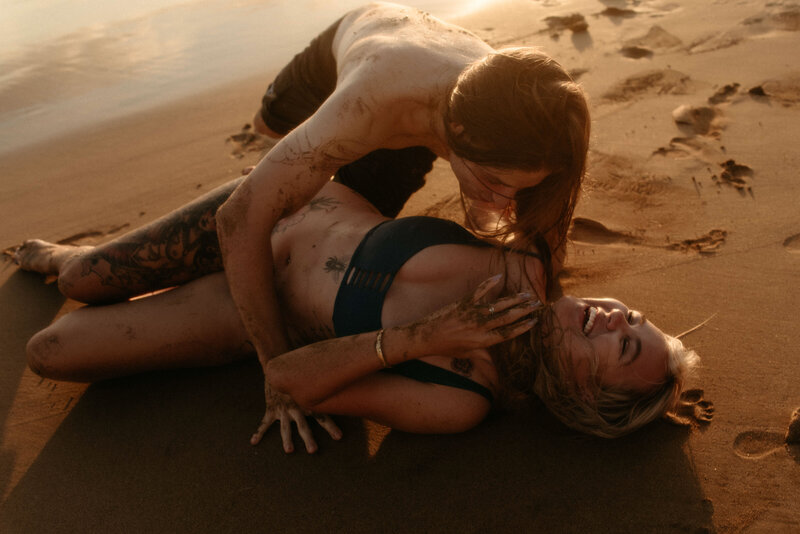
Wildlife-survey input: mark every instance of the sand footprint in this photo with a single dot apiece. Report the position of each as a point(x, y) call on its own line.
point(724, 93)
point(701, 148)
point(758, 444)
point(249, 141)
point(591, 231)
point(664, 81)
point(576, 23)
point(697, 120)
point(785, 91)
point(657, 38)
point(709, 243)
point(776, 18)
point(585, 230)
point(735, 175)
point(617, 13)
point(792, 244)
point(704, 120)
point(636, 52)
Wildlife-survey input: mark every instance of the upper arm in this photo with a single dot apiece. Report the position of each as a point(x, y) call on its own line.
point(408, 405)
point(339, 132)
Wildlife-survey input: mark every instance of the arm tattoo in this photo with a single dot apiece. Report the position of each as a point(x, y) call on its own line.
point(462, 366)
point(330, 155)
point(326, 204)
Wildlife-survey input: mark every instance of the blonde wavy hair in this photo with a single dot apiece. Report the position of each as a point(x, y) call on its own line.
point(534, 364)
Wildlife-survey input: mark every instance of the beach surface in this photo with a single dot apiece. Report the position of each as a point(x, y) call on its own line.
point(691, 211)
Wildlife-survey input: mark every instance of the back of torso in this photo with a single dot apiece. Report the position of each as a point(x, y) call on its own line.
point(402, 62)
point(406, 37)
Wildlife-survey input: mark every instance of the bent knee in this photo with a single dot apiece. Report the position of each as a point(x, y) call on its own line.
point(44, 352)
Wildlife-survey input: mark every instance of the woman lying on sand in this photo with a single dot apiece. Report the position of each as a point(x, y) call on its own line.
point(367, 302)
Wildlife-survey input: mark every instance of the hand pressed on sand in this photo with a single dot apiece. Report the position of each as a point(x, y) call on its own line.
point(281, 407)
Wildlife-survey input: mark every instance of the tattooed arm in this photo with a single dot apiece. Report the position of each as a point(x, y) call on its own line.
point(287, 178)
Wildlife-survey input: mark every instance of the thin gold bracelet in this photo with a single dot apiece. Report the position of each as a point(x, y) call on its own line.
point(379, 348)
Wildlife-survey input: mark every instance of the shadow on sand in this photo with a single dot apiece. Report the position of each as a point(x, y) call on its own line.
point(29, 305)
point(169, 452)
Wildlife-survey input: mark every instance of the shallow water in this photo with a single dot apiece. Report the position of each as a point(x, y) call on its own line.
point(68, 64)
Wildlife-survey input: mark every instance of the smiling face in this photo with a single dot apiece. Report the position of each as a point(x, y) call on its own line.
point(629, 351)
point(492, 187)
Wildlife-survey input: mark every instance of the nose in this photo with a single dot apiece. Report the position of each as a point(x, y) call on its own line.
point(615, 319)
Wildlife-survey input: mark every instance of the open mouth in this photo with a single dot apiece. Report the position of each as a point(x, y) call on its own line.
point(589, 315)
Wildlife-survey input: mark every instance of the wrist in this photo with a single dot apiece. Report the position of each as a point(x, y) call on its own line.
point(400, 344)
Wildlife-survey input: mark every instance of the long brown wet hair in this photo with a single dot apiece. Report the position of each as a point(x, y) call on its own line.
point(519, 109)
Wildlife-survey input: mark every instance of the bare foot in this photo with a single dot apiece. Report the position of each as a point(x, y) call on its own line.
point(44, 257)
point(692, 409)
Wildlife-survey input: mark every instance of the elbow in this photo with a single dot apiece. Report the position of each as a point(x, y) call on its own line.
point(237, 215)
point(229, 219)
point(273, 373)
point(223, 219)
point(281, 381)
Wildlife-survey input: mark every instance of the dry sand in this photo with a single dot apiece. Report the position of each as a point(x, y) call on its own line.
point(692, 210)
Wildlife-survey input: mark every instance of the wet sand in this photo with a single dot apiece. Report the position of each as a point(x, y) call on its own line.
point(690, 211)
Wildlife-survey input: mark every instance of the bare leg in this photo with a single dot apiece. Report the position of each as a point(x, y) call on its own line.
point(191, 326)
point(172, 250)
